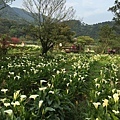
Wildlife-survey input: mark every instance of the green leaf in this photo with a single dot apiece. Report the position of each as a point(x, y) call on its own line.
point(18, 118)
point(49, 109)
point(114, 117)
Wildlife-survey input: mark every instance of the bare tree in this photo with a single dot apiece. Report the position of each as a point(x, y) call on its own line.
point(4, 3)
point(116, 11)
point(48, 14)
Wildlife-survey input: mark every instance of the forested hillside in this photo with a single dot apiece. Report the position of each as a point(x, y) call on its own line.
point(13, 20)
point(82, 29)
point(17, 29)
point(12, 28)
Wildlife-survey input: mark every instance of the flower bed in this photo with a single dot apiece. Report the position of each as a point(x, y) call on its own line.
point(41, 88)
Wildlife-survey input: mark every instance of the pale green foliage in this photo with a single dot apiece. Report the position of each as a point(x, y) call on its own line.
point(85, 40)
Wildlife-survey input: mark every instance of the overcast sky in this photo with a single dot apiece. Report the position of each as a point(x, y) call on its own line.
point(89, 11)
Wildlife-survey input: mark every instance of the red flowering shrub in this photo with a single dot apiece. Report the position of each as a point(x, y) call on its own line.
point(15, 40)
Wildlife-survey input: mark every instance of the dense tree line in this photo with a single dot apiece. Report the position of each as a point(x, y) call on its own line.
point(103, 33)
point(82, 29)
point(18, 29)
point(12, 28)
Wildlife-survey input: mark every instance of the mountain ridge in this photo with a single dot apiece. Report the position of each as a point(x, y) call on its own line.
point(14, 13)
point(18, 14)
point(23, 14)
point(80, 28)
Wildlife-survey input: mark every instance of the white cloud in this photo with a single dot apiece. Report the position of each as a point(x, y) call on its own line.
point(90, 10)
point(88, 3)
point(73, 4)
point(97, 18)
point(93, 11)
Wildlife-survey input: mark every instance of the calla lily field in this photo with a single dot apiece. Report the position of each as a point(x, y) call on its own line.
point(66, 86)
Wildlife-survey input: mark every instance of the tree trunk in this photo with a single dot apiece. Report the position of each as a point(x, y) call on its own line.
point(46, 47)
point(44, 51)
